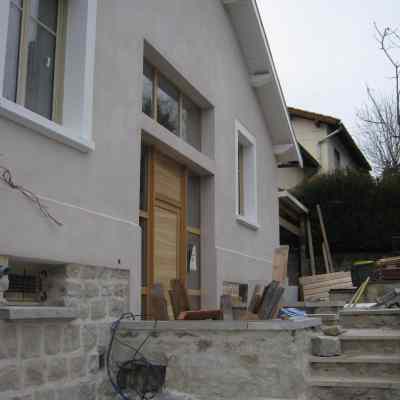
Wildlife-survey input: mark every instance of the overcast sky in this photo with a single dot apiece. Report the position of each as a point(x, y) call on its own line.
point(325, 52)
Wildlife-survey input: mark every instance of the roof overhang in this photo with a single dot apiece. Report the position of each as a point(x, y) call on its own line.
point(250, 32)
point(292, 202)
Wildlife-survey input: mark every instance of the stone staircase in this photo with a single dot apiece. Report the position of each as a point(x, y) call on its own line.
point(369, 365)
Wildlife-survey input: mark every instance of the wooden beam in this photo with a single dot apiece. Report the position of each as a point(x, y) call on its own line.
point(325, 236)
point(326, 262)
point(310, 247)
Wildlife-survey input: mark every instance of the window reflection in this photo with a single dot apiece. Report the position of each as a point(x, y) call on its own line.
point(191, 123)
point(148, 85)
point(168, 106)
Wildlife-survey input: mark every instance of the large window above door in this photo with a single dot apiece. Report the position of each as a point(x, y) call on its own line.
point(170, 107)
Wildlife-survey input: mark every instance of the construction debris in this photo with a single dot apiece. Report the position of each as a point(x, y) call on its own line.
point(389, 300)
point(358, 294)
point(325, 346)
point(270, 300)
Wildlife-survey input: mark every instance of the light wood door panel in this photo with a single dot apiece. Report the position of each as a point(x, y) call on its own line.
point(167, 179)
point(167, 228)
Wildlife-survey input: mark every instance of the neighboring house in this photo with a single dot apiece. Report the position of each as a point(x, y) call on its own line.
point(325, 145)
point(152, 131)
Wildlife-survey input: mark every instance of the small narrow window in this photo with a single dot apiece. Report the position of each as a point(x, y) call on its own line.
point(246, 177)
point(144, 177)
point(240, 179)
point(148, 89)
point(168, 105)
point(193, 240)
point(337, 159)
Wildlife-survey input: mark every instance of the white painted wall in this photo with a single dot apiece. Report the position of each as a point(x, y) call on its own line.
point(96, 195)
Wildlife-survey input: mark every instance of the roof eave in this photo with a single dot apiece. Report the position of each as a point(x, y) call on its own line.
point(246, 20)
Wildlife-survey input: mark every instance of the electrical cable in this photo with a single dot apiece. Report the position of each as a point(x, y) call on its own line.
point(147, 377)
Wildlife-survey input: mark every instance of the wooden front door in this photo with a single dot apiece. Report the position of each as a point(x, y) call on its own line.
point(169, 211)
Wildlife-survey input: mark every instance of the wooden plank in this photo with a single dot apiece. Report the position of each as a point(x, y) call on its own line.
point(183, 302)
point(325, 236)
point(270, 299)
point(326, 261)
point(200, 315)
point(255, 300)
point(158, 303)
point(321, 277)
point(280, 263)
point(226, 307)
point(318, 286)
point(310, 247)
point(329, 282)
point(327, 289)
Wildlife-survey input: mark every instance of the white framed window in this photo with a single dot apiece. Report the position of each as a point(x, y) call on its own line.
point(47, 67)
point(245, 177)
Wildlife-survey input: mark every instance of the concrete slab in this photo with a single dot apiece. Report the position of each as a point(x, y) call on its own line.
point(272, 325)
point(14, 313)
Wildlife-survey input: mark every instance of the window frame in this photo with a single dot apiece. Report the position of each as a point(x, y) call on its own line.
point(77, 85)
point(22, 73)
point(246, 191)
point(157, 74)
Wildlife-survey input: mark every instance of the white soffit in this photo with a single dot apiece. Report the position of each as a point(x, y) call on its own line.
point(246, 20)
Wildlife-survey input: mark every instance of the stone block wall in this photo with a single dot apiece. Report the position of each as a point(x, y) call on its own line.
point(58, 359)
point(227, 363)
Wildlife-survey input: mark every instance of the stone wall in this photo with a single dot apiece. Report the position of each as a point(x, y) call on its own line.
point(64, 360)
point(227, 359)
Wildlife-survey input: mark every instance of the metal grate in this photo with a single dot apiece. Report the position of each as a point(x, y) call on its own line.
point(24, 287)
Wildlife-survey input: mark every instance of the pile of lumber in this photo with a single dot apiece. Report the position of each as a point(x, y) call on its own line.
point(391, 262)
point(317, 287)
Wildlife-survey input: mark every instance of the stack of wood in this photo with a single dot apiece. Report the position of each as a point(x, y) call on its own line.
point(317, 287)
point(179, 300)
point(391, 262)
point(266, 304)
point(389, 268)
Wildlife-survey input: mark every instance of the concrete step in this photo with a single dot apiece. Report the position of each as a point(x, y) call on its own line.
point(370, 319)
point(359, 383)
point(356, 366)
point(352, 393)
point(371, 341)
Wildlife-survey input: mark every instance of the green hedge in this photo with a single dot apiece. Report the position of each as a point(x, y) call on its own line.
point(361, 213)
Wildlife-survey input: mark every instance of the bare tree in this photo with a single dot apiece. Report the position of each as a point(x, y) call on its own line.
point(379, 119)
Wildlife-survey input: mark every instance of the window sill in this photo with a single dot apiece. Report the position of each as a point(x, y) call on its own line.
point(247, 222)
point(39, 124)
point(18, 313)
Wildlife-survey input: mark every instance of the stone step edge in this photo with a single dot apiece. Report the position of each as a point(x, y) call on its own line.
point(370, 334)
point(356, 359)
point(356, 383)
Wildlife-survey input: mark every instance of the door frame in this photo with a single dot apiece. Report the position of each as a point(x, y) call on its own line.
point(152, 200)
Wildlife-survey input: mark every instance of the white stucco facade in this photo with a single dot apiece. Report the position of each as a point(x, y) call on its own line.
point(93, 186)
